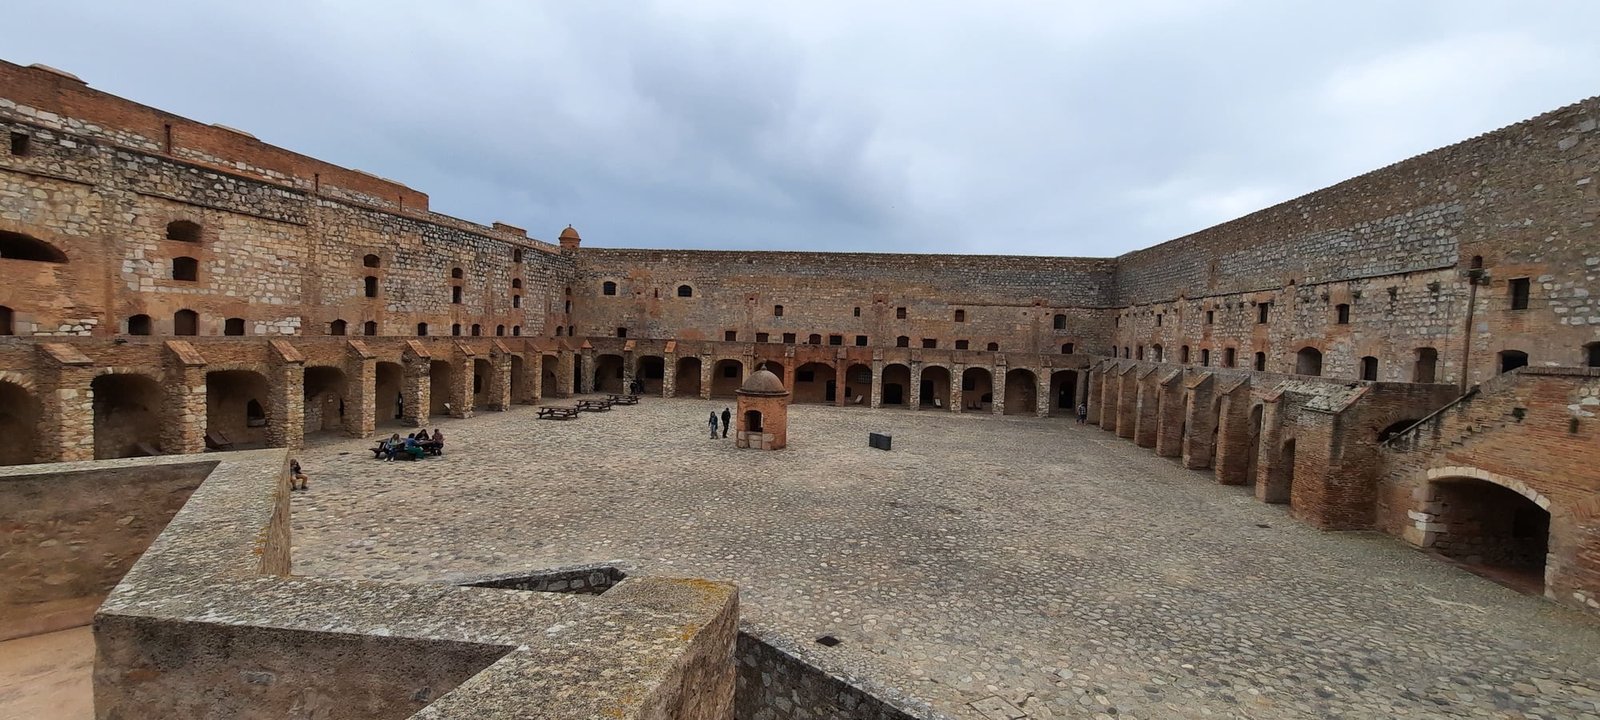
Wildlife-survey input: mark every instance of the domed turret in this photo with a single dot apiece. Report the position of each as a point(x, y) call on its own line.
point(569, 238)
point(763, 382)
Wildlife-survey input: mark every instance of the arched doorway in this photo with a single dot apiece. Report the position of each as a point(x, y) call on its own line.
point(814, 382)
point(1492, 530)
point(482, 378)
point(324, 399)
point(935, 387)
point(1280, 477)
point(549, 384)
point(896, 385)
point(652, 372)
point(688, 378)
point(609, 374)
point(440, 376)
point(977, 389)
point(236, 403)
point(386, 391)
point(857, 384)
point(127, 416)
point(518, 386)
point(19, 423)
point(1022, 392)
point(726, 377)
point(1308, 361)
point(1064, 392)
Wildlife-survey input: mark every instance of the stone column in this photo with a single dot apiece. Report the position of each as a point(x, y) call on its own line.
point(1081, 395)
point(957, 371)
point(997, 389)
point(1269, 461)
point(1110, 396)
point(462, 370)
point(564, 362)
point(1043, 401)
point(415, 387)
point(286, 399)
point(1232, 450)
point(1127, 401)
point(530, 379)
point(499, 396)
point(839, 395)
point(669, 374)
point(586, 374)
point(1170, 416)
point(877, 383)
point(914, 392)
point(1144, 417)
point(708, 367)
point(66, 404)
point(360, 391)
point(1201, 422)
point(185, 400)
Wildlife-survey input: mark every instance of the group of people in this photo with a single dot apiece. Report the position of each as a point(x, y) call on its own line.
point(727, 419)
point(415, 446)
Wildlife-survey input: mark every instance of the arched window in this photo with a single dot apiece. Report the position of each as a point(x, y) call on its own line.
point(370, 261)
point(902, 341)
point(371, 286)
point(1369, 368)
point(1261, 361)
point(1060, 322)
point(456, 274)
point(235, 326)
point(1138, 352)
point(1512, 359)
point(477, 330)
point(516, 331)
point(1183, 354)
point(422, 329)
point(455, 330)
point(608, 288)
point(337, 327)
point(254, 416)
point(516, 301)
point(139, 325)
point(370, 328)
point(185, 268)
point(516, 255)
point(777, 311)
point(455, 295)
point(1427, 365)
point(1308, 361)
point(1229, 357)
point(1158, 353)
point(186, 322)
point(16, 246)
point(685, 291)
point(183, 231)
point(993, 347)
point(5, 321)
point(500, 330)
point(560, 331)
point(516, 283)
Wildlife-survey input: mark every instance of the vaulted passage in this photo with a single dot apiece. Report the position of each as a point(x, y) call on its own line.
point(652, 372)
point(814, 383)
point(688, 378)
point(896, 385)
point(1022, 392)
point(440, 376)
point(128, 417)
point(977, 389)
point(1494, 531)
point(549, 383)
point(935, 387)
point(518, 391)
point(387, 393)
point(482, 375)
point(609, 374)
point(1063, 392)
point(236, 402)
point(325, 398)
point(726, 377)
point(857, 384)
point(19, 424)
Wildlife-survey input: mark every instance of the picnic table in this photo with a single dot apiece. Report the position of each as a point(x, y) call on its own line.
point(623, 399)
point(557, 412)
point(595, 405)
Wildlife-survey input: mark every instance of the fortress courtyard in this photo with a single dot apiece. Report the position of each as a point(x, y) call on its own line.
point(989, 567)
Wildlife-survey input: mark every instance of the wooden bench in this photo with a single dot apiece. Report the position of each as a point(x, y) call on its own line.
point(623, 399)
point(381, 451)
point(557, 412)
point(595, 405)
point(215, 440)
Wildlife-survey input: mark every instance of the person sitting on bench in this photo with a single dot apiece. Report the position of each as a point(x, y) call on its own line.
point(413, 448)
point(435, 444)
point(391, 447)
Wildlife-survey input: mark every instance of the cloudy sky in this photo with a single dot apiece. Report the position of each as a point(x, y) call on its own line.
point(1056, 128)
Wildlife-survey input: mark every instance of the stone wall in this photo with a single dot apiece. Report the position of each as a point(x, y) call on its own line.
point(70, 537)
point(774, 684)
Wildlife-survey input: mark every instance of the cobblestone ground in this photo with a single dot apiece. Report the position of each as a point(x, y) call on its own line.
point(996, 568)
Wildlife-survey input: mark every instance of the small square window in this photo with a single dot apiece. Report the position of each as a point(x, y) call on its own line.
point(900, 313)
point(20, 144)
point(1262, 311)
point(762, 337)
point(730, 335)
point(961, 316)
point(930, 343)
point(622, 332)
point(1211, 317)
point(777, 311)
point(858, 312)
point(961, 344)
point(788, 338)
point(1519, 289)
point(861, 341)
point(1342, 313)
point(835, 339)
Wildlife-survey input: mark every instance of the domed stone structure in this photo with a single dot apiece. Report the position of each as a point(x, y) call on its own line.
point(763, 412)
point(569, 238)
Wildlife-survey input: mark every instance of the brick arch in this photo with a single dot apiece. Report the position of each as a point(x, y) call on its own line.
point(20, 380)
point(57, 241)
point(1452, 472)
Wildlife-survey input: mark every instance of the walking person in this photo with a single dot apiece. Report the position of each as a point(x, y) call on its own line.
point(727, 419)
point(1083, 413)
point(713, 424)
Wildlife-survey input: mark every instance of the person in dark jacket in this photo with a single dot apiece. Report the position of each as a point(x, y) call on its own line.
point(713, 425)
point(727, 418)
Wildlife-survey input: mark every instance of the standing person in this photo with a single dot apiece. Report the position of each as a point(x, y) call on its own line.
point(727, 419)
point(1083, 413)
point(713, 425)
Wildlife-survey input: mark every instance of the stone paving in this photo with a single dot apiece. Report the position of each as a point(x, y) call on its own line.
point(993, 567)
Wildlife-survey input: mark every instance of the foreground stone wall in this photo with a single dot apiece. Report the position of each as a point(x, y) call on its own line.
point(70, 537)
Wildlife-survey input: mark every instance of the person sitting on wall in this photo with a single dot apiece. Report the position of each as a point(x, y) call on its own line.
point(297, 478)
